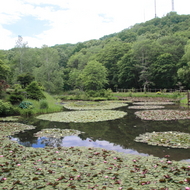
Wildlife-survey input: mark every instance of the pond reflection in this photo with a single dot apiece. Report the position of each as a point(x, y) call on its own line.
point(115, 135)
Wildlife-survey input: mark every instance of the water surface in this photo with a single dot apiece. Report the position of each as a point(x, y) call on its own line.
point(115, 135)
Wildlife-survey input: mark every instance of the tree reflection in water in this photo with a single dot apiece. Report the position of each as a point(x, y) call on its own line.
point(116, 135)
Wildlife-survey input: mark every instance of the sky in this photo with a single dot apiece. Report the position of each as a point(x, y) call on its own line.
point(51, 22)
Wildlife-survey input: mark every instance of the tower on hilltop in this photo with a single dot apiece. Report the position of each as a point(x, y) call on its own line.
point(155, 8)
point(172, 5)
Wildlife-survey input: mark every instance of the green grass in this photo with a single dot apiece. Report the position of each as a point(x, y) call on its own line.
point(174, 95)
point(53, 106)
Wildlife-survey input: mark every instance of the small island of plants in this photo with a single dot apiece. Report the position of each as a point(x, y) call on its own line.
point(93, 105)
point(160, 115)
point(83, 116)
point(171, 139)
point(57, 133)
point(146, 107)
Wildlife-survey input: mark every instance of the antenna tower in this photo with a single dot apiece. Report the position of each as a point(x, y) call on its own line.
point(172, 5)
point(155, 8)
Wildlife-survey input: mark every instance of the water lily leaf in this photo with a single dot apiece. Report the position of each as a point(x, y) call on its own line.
point(84, 168)
point(145, 103)
point(10, 118)
point(163, 115)
point(167, 139)
point(145, 107)
point(90, 105)
point(83, 116)
point(57, 133)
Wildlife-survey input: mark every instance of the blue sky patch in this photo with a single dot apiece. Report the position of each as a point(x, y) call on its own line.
point(105, 18)
point(28, 26)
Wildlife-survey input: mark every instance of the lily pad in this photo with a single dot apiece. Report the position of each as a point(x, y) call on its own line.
point(171, 139)
point(149, 99)
point(11, 128)
point(57, 133)
point(83, 116)
point(153, 103)
point(163, 114)
point(90, 105)
point(146, 107)
point(9, 118)
point(83, 167)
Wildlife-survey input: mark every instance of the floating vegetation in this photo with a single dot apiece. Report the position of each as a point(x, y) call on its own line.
point(171, 139)
point(10, 118)
point(12, 128)
point(90, 105)
point(57, 133)
point(163, 115)
point(145, 107)
point(84, 168)
point(149, 99)
point(153, 103)
point(83, 116)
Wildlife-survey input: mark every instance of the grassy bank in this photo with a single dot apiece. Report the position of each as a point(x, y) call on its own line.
point(176, 96)
point(150, 94)
point(47, 105)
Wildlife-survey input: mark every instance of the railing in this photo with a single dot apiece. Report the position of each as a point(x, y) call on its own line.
point(150, 90)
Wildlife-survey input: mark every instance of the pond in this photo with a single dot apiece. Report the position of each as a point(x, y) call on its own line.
point(118, 134)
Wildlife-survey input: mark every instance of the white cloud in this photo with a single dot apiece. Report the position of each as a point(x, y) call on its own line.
point(5, 39)
point(72, 21)
point(75, 140)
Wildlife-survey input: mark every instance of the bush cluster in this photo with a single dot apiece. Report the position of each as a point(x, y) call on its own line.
point(44, 104)
point(15, 98)
point(7, 109)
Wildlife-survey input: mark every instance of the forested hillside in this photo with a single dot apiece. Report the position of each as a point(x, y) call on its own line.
point(154, 54)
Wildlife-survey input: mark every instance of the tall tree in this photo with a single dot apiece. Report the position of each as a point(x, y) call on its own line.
point(145, 53)
point(75, 79)
point(184, 72)
point(128, 75)
point(94, 76)
point(4, 73)
point(49, 74)
point(109, 57)
point(21, 48)
point(164, 71)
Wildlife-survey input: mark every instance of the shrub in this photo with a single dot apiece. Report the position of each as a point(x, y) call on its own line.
point(34, 91)
point(43, 104)
point(98, 99)
point(100, 93)
point(15, 98)
point(6, 108)
point(92, 93)
point(26, 105)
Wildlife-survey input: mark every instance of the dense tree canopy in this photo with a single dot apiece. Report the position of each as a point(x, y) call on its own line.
point(184, 72)
point(154, 54)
